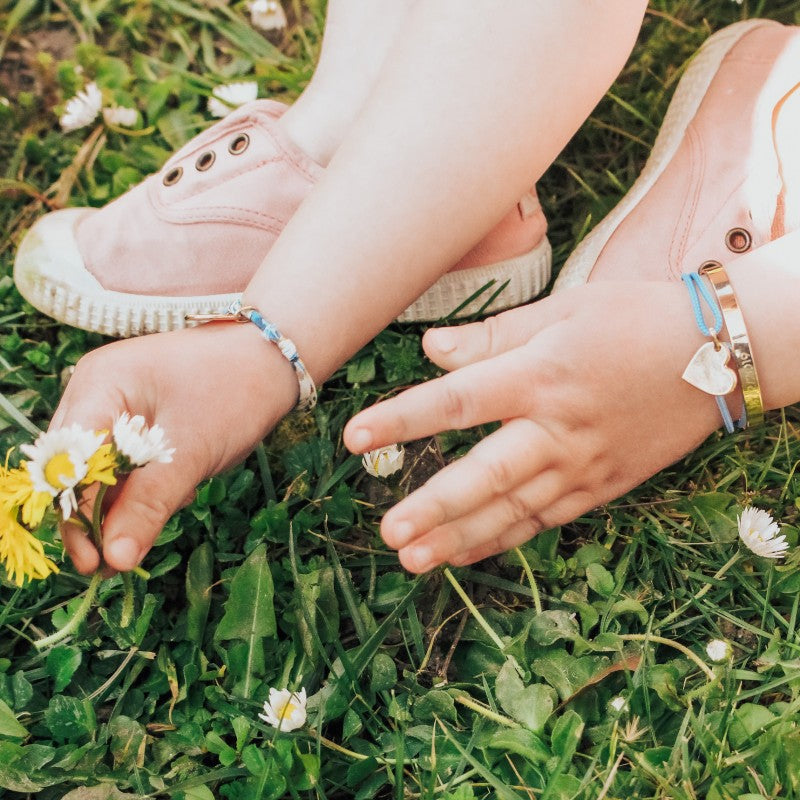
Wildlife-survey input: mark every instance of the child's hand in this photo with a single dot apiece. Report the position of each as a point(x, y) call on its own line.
point(588, 385)
point(216, 390)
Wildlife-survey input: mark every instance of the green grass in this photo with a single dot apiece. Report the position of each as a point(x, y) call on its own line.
point(449, 686)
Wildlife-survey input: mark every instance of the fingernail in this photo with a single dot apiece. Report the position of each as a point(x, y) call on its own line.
point(444, 341)
point(122, 553)
point(420, 558)
point(402, 533)
point(361, 439)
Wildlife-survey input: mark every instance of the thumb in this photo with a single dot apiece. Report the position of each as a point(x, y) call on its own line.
point(150, 496)
point(455, 347)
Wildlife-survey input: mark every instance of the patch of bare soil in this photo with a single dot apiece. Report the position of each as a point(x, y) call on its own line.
point(19, 69)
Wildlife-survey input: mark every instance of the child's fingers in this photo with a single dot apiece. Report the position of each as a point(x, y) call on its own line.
point(151, 495)
point(457, 346)
point(494, 467)
point(479, 393)
point(528, 503)
point(569, 507)
point(81, 550)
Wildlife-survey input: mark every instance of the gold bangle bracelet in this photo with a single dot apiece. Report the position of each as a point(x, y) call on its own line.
point(740, 342)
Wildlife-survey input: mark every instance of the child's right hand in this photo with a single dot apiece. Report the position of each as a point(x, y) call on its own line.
point(216, 390)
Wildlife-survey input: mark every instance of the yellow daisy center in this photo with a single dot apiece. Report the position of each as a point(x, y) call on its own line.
point(286, 710)
point(58, 467)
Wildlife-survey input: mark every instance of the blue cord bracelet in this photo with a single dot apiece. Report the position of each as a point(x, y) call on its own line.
point(697, 290)
point(308, 391)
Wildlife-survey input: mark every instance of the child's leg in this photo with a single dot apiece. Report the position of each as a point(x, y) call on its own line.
point(357, 37)
point(470, 108)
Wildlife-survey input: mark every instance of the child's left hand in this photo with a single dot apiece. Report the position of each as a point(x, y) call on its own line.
point(216, 391)
point(588, 386)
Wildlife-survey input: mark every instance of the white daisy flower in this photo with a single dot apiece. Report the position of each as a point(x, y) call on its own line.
point(268, 15)
point(58, 462)
point(384, 461)
point(121, 116)
point(82, 109)
point(285, 710)
point(231, 95)
point(719, 650)
point(138, 443)
point(619, 704)
point(759, 533)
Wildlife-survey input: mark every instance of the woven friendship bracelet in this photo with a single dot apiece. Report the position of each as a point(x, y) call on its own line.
point(740, 341)
point(708, 370)
point(236, 312)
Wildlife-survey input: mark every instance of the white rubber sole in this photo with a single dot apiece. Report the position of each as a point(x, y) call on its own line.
point(522, 279)
point(689, 94)
point(50, 275)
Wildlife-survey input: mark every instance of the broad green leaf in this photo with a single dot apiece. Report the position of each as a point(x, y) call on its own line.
point(69, 718)
point(61, 664)
point(550, 626)
point(199, 576)
point(128, 739)
point(522, 742)
point(435, 703)
point(384, 673)
point(529, 705)
point(600, 580)
point(9, 725)
point(566, 673)
point(566, 735)
point(249, 611)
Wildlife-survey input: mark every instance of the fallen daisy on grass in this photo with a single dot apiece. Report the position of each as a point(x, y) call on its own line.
point(285, 710)
point(619, 704)
point(82, 109)
point(229, 96)
point(121, 116)
point(268, 15)
point(384, 461)
point(719, 650)
point(759, 533)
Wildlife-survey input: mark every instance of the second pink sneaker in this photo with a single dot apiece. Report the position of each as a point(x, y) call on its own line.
point(724, 174)
point(188, 239)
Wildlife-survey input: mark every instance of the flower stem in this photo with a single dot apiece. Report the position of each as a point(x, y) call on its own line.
point(127, 600)
point(479, 618)
point(97, 518)
point(644, 637)
point(703, 591)
point(467, 701)
point(537, 601)
point(78, 617)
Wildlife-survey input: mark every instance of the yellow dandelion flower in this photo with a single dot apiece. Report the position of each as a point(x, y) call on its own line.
point(21, 552)
point(17, 492)
point(101, 465)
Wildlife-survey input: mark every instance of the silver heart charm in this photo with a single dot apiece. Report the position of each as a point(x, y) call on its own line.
point(708, 370)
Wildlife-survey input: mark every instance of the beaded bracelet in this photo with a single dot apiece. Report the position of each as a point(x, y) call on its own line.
point(236, 312)
point(708, 370)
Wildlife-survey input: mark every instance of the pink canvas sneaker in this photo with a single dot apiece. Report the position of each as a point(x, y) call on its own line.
point(717, 182)
point(188, 239)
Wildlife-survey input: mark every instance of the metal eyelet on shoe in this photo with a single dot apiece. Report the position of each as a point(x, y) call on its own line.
point(239, 144)
point(738, 240)
point(173, 176)
point(205, 161)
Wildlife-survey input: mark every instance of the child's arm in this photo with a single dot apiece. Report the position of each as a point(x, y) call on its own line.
point(474, 104)
point(588, 383)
